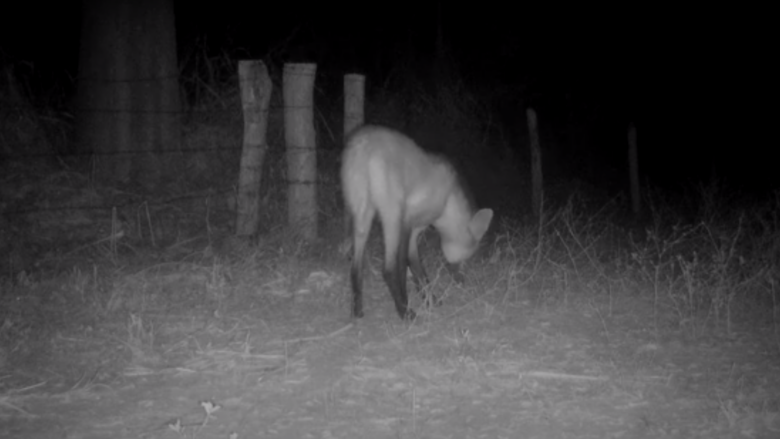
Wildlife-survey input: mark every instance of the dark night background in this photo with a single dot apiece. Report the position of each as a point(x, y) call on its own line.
point(133, 310)
point(696, 80)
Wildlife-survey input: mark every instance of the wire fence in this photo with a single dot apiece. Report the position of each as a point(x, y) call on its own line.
point(214, 127)
point(274, 176)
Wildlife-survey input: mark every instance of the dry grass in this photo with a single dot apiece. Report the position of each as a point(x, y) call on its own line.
point(152, 319)
point(568, 306)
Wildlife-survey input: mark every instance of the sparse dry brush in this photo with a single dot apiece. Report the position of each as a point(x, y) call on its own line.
point(707, 275)
point(142, 282)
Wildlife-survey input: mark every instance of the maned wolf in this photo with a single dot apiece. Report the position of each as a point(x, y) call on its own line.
point(384, 171)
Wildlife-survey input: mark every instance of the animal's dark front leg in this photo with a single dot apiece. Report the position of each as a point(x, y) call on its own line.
point(395, 275)
point(456, 273)
point(418, 271)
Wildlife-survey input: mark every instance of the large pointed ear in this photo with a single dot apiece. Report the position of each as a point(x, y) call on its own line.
point(480, 223)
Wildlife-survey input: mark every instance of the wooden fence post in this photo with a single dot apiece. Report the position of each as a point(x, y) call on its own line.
point(256, 88)
point(300, 137)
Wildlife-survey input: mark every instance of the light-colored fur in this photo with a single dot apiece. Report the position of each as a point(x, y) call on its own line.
point(383, 171)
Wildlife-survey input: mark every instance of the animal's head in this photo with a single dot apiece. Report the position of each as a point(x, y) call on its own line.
point(458, 247)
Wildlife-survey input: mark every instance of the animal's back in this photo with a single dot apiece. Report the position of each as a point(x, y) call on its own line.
point(385, 167)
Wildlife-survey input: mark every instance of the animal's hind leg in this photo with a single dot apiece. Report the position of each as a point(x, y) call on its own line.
point(361, 228)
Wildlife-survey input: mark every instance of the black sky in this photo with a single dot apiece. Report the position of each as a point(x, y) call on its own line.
point(698, 80)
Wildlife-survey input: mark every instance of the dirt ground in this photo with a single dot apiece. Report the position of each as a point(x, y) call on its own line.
point(228, 353)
